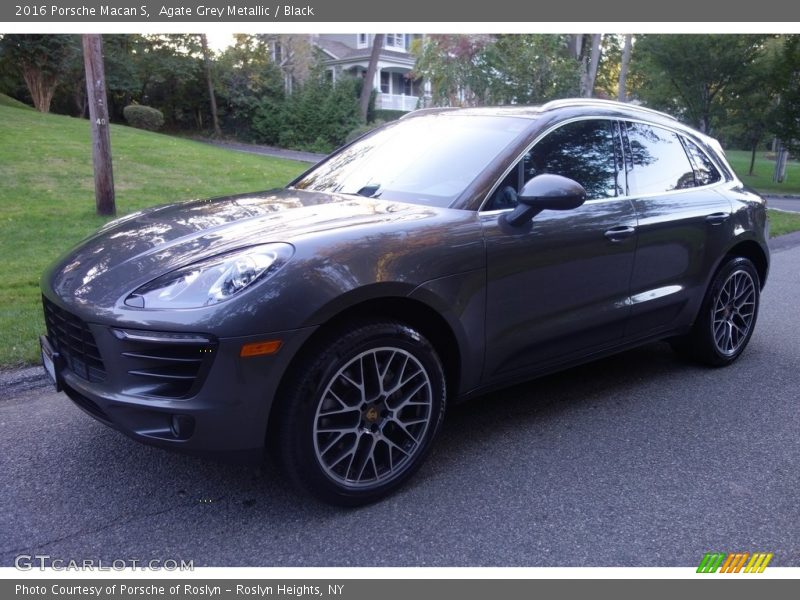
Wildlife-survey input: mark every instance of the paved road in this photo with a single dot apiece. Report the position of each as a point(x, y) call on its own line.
point(638, 460)
point(784, 203)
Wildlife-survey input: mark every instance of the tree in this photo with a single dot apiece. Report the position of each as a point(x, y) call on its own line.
point(295, 57)
point(249, 89)
point(590, 74)
point(750, 102)
point(622, 93)
point(42, 59)
point(787, 112)
point(369, 77)
point(689, 74)
point(471, 70)
point(209, 82)
point(452, 63)
point(527, 69)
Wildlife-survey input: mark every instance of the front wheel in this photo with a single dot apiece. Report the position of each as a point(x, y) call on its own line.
point(727, 317)
point(361, 412)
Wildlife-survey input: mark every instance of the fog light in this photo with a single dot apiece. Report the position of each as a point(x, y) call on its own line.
point(182, 426)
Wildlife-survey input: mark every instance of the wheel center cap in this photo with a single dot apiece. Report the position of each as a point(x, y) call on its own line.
point(371, 415)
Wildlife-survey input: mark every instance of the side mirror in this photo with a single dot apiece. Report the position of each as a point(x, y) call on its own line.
point(546, 192)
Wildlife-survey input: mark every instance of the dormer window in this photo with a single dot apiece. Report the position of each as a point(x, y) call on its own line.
point(395, 41)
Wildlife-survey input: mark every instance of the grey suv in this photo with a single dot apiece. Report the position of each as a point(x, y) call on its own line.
point(439, 257)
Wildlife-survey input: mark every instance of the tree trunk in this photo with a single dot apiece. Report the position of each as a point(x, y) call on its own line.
point(98, 117)
point(753, 158)
point(591, 74)
point(41, 86)
point(576, 46)
point(212, 98)
point(369, 77)
point(622, 92)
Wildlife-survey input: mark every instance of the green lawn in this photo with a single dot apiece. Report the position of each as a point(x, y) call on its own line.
point(13, 103)
point(47, 199)
point(761, 180)
point(781, 222)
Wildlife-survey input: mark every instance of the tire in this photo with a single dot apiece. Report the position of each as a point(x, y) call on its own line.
point(727, 316)
point(360, 412)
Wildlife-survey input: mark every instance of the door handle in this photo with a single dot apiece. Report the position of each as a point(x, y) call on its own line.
point(618, 234)
point(717, 218)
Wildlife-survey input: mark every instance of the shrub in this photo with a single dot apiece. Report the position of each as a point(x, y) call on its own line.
point(143, 117)
point(361, 130)
point(383, 114)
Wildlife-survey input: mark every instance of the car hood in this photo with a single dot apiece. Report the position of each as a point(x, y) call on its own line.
point(135, 249)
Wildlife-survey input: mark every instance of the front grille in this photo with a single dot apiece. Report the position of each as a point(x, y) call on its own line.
point(166, 365)
point(74, 342)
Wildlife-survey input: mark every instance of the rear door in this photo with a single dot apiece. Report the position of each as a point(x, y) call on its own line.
point(684, 224)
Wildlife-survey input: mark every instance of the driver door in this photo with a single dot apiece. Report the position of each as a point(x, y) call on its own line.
point(558, 285)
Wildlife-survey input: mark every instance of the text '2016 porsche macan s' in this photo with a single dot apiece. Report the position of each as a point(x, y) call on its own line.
point(444, 255)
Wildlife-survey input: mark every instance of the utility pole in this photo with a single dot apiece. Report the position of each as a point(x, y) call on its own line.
point(98, 116)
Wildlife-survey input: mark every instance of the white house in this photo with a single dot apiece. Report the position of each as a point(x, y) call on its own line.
point(350, 53)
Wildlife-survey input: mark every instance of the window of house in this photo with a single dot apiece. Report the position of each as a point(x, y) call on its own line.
point(385, 82)
point(395, 40)
point(277, 53)
point(362, 40)
point(658, 161)
point(705, 173)
point(585, 151)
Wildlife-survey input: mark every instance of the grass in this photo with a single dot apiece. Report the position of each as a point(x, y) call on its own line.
point(13, 103)
point(761, 180)
point(47, 199)
point(781, 222)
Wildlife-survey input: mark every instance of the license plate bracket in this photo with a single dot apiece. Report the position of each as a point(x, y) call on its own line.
point(51, 361)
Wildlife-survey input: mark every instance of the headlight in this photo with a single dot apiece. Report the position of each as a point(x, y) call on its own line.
point(212, 280)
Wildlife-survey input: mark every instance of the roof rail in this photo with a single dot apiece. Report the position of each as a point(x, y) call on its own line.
point(427, 111)
point(553, 104)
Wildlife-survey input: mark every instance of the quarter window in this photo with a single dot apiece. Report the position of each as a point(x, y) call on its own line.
point(658, 162)
point(705, 173)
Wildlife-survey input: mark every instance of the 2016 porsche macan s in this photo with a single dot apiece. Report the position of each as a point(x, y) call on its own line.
point(441, 256)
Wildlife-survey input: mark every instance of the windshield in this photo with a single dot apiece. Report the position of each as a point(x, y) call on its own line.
point(426, 160)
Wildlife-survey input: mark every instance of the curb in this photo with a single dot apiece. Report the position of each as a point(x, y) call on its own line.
point(16, 381)
point(784, 242)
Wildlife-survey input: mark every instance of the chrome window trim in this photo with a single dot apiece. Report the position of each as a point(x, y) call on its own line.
point(724, 173)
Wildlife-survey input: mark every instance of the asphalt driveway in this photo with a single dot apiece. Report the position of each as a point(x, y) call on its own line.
point(637, 460)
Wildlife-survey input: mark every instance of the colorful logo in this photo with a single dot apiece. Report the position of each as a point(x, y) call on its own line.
point(734, 562)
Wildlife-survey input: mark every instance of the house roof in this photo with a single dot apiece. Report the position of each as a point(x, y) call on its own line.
point(342, 52)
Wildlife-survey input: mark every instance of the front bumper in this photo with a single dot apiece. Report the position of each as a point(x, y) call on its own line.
point(222, 412)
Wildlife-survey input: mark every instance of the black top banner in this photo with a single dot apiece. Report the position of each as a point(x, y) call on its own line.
point(339, 11)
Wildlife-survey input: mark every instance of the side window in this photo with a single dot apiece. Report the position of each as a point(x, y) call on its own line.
point(705, 173)
point(586, 151)
point(658, 161)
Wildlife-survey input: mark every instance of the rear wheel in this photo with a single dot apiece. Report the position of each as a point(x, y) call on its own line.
point(361, 412)
point(727, 317)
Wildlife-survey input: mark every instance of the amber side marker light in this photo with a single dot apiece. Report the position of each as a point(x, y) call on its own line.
point(260, 348)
